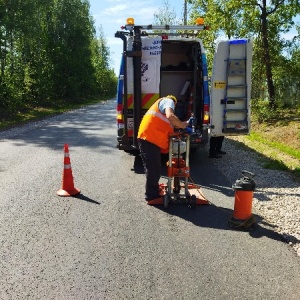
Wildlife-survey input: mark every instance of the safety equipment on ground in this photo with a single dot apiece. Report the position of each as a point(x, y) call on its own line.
point(67, 188)
point(244, 189)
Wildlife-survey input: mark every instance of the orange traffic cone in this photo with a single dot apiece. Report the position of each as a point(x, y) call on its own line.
point(68, 188)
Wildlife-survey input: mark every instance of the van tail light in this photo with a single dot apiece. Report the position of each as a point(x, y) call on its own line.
point(206, 114)
point(120, 114)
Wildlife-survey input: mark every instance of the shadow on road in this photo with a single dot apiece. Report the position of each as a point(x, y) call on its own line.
point(87, 199)
point(85, 127)
point(211, 216)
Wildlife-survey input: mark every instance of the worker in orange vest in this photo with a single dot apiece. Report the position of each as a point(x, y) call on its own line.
point(153, 139)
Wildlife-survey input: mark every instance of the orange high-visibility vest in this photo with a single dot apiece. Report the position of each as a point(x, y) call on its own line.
point(155, 127)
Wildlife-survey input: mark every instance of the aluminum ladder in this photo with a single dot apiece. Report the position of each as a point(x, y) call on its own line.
point(235, 113)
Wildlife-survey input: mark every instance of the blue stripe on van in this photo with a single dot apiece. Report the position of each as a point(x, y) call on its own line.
point(121, 82)
point(205, 80)
point(236, 42)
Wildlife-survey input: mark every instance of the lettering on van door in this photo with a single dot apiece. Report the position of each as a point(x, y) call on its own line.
point(150, 65)
point(145, 67)
point(220, 84)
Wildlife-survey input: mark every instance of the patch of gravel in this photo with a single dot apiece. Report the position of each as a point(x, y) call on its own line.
point(276, 196)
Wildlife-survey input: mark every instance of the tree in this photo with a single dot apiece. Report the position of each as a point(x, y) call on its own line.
point(70, 34)
point(106, 81)
point(165, 15)
point(47, 54)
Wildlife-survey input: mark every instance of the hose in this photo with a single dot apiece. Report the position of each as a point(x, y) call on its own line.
point(232, 222)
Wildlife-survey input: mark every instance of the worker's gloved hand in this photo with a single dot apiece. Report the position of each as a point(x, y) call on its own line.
point(188, 130)
point(190, 122)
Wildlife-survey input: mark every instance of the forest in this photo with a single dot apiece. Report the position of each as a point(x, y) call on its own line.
point(50, 55)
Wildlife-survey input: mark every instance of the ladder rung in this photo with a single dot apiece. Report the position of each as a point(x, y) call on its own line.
point(236, 98)
point(235, 110)
point(236, 75)
point(235, 130)
point(235, 122)
point(229, 59)
point(232, 100)
point(236, 86)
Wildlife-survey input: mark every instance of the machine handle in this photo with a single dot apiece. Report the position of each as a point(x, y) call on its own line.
point(248, 174)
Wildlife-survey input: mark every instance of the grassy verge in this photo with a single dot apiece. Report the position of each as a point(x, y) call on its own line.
point(274, 155)
point(254, 136)
point(39, 113)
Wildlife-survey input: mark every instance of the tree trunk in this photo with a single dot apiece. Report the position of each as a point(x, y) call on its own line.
point(270, 83)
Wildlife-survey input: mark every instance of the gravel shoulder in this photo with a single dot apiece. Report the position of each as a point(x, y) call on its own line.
point(277, 194)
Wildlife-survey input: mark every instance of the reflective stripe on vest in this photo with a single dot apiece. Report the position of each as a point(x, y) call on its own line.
point(155, 127)
point(159, 115)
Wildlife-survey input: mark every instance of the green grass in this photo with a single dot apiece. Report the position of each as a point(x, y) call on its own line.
point(272, 154)
point(254, 136)
point(38, 113)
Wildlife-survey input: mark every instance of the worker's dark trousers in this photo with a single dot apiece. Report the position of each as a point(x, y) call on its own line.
point(215, 144)
point(151, 158)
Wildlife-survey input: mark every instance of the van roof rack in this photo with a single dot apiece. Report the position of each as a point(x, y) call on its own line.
point(132, 27)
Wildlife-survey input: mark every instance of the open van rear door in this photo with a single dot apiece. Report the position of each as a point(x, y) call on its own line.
point(231, 88)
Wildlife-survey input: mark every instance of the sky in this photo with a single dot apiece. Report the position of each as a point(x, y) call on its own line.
point(112, 14)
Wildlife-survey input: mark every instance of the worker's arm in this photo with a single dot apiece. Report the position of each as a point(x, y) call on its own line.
point(174, 119)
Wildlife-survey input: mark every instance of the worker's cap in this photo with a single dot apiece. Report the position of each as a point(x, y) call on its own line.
point(172, 97)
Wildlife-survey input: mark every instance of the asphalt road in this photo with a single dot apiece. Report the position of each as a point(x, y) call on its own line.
point(107, 243)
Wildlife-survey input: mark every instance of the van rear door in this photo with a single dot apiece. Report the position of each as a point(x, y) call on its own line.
point(231, 88)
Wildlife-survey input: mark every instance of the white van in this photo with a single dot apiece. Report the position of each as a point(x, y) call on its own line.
point(154, 65)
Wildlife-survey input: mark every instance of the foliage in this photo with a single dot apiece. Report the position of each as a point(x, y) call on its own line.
point(48, 55)
point(287, 77)
point(258, 20)
point(165, 15)
point(106, 80)
point(261, 111)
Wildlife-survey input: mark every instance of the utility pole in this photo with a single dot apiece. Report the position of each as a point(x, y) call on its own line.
point(185, 13)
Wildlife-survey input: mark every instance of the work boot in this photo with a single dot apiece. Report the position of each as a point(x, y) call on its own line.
point(221, 152)
point(156, 201)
